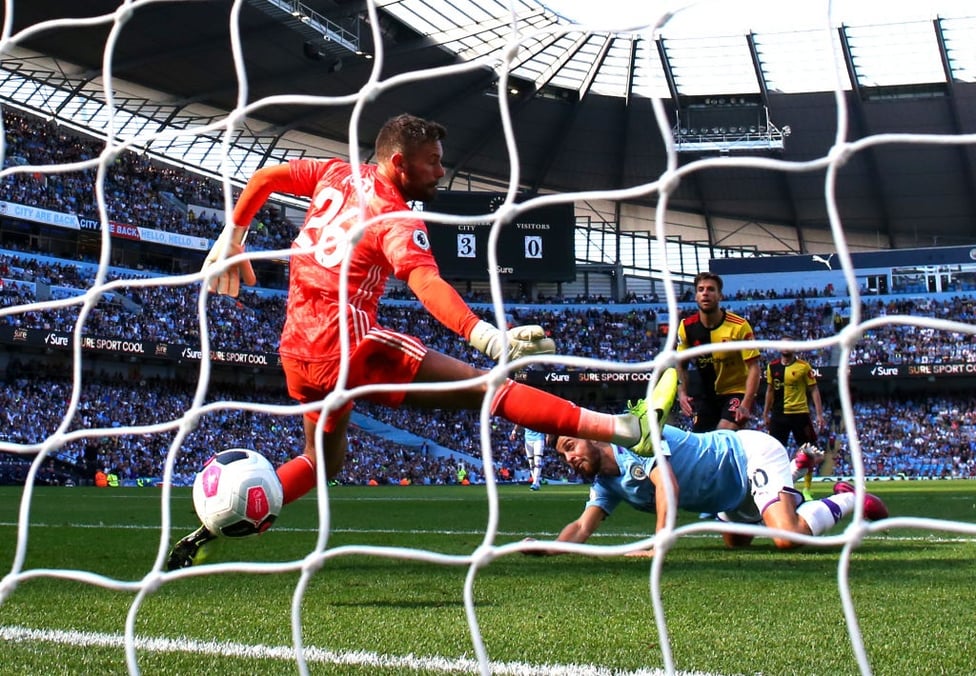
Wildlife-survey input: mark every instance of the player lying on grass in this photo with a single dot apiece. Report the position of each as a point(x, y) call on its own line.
point(408, 167)
point(744, 476)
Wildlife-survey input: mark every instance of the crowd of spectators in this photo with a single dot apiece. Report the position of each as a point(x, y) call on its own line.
point(34, 404)
point(138, 190)
point(253, 321)
point(142, 192)
point(893, 344)
point(910, 437)
point(752, 295)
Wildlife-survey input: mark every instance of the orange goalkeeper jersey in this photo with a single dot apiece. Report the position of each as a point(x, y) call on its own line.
point(394, 246)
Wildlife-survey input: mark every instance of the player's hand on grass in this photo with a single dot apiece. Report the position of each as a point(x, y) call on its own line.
point(523, 341)
point(228, 281)
point(534, 552)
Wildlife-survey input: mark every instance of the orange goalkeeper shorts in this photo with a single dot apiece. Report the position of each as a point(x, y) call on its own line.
point(382, 357)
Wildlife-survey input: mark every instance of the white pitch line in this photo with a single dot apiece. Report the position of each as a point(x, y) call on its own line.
point(314, 655)
point(428, 531)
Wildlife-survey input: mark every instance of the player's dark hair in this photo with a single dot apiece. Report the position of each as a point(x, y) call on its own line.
point(710, 276)
point(405, 133)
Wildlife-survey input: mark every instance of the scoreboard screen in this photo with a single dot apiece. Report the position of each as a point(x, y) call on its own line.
point(537, 246)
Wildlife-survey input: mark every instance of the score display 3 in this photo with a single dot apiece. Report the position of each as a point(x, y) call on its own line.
point(537, 246)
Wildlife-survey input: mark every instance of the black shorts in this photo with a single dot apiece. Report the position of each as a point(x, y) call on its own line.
point(800, 425)
point(711, 410)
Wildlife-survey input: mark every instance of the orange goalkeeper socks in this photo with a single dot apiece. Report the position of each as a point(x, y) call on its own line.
point(297, 477)
point(547, 413)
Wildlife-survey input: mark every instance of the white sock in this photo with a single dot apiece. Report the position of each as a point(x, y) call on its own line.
point(821, 515)
point(626, 430)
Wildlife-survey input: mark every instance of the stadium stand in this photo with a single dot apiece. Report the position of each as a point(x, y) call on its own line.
point(901, 436)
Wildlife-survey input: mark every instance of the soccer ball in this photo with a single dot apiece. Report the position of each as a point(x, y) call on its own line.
point(237, 493)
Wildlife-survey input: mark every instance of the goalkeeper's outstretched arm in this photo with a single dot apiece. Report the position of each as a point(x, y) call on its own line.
point(230, 243)
point(447, 307)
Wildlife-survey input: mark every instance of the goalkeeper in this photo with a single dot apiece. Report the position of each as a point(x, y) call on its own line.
point(409, 154)
point(743, 476)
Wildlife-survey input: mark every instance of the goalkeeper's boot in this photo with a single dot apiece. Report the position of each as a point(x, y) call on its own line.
point(191, 550)
point(874, 507)
point(809, 457)
point(662, 400)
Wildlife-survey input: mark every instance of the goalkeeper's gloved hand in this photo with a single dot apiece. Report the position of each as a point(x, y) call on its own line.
point(228, 281)
point(522, 341)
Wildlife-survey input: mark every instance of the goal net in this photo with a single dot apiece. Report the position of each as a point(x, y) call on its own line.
point(186, 430)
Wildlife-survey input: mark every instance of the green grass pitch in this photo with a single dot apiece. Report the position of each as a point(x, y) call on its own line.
point(728, 612)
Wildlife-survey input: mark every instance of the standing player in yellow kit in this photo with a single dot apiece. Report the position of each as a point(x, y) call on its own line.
point(791, 385)
point(729, 378)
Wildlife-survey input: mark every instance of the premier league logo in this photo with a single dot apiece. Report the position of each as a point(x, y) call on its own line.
point(420, 239)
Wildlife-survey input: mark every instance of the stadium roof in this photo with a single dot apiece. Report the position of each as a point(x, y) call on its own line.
point(580, 100)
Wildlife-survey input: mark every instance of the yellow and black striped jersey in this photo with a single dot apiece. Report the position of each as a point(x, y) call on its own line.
point(722, 372)
point(790, 383)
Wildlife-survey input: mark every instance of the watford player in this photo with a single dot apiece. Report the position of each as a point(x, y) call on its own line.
point(791, 385)
point(729, 378)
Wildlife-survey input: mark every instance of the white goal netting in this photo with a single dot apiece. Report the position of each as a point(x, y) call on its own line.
point(176, 433)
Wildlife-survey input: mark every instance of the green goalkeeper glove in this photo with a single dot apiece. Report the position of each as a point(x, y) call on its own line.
point(522, 341)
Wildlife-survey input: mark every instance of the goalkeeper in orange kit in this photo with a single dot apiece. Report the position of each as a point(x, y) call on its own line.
point(394, 242)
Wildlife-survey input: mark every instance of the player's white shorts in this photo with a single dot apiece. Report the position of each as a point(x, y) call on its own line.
point(770, 473)
point(534, 447)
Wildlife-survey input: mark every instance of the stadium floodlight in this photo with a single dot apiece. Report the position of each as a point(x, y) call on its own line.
point(710, 142)
point(713, 125)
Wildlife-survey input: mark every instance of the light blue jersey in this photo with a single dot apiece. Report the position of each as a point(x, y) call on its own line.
point(710, 468)
point(532, 435)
